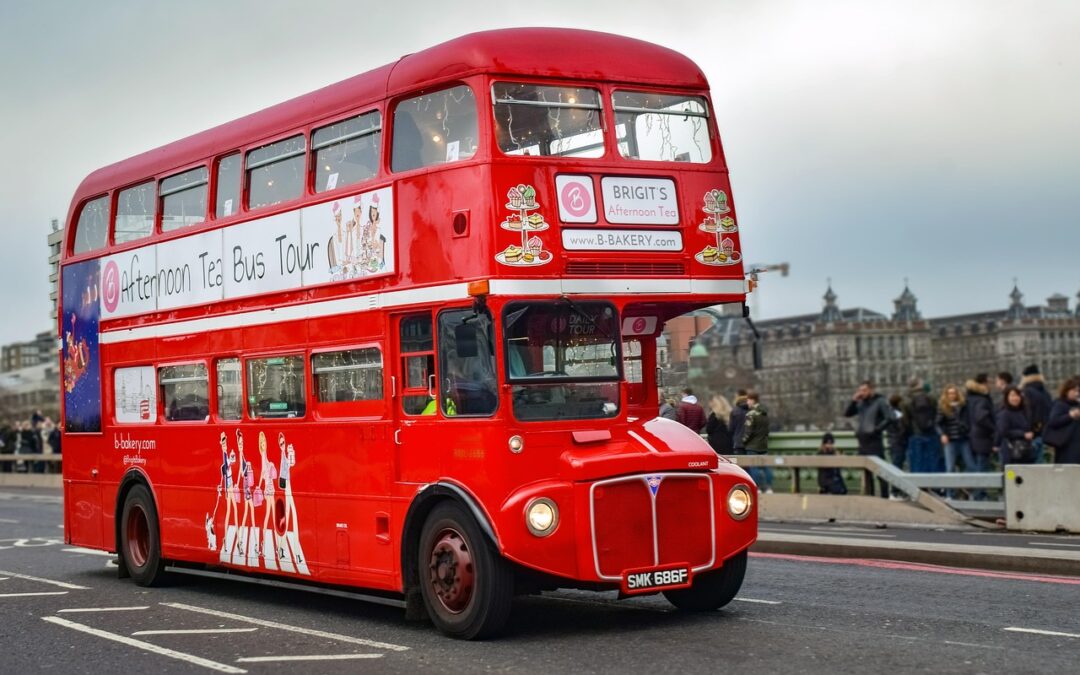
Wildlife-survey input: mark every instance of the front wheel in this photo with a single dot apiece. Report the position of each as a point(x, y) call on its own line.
point(711, 590)
point(140, 538)
point(467, 587)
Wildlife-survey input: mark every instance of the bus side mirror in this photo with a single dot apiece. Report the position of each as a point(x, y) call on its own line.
point(758, 363)
point(467, 340)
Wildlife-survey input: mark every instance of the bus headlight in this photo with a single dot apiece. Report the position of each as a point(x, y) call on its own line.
point(739, 502)
point(541, 516)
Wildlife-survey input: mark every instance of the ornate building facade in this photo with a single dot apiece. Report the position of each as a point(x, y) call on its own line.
point(812, 363)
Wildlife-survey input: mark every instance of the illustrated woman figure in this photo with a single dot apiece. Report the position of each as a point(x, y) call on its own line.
point(246, 484)
point(267, 478)
point(226, 488)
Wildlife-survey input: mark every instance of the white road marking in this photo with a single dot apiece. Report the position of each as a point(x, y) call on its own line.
point(61, 584)
point(285, 626)
point(139, 644)
point(89, 551)
point(4, 578)
point(759, 602)
point(9, 520)
point(1052, 543)
point(1036, 631)
point(314, 657)
point(103, 609)
point(194, 631)
point(26, 595)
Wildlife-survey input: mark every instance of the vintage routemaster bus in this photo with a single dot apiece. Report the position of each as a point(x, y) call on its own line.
point(399, 334)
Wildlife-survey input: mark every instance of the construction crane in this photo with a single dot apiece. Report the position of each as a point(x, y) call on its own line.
point(753, 271)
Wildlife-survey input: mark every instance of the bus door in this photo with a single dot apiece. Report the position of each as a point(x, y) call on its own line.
point(414, 390)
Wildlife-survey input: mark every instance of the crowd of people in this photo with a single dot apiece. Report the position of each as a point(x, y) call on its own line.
point(35, 436)
point(976, 427)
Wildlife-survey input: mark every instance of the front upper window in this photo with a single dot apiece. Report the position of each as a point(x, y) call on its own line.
point(562, 359)
point(662, 127)
point(533, 119)
point(436, 128)
point(92, 230)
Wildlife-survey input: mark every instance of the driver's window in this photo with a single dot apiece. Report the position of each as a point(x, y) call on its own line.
point(467, 363)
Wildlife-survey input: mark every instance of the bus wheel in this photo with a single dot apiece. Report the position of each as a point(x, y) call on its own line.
point(711, 590)
point(140, 539)
point(467, 587)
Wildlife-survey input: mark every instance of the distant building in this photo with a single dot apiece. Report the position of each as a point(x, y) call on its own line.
point(56, 239)
point(42, 349)
point(812, 363)
point(26, 390)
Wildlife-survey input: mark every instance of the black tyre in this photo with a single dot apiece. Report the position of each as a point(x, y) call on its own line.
point(467, 587)
point(711, 590)
point(140, 538)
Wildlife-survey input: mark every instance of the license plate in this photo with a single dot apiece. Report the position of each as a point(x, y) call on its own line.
point(656, 579)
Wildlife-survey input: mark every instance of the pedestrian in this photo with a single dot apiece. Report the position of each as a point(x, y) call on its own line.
point(755, 439)
point(897, 434)
point(830, 480)
point(689, 412)
point(1003, 381)
point(872, 415)
point(920, 415)
point(1038, 401)
point(737, 422)
point(952, 426)
point(667, 411)
point(1015, 438)
point(982, 428)
point(1063, 424)
point(54, 436)
point(716, 427)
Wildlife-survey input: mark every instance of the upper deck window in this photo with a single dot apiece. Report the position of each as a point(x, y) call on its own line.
point(662, 127)
point(92, 230)
point(134, 213)
point(436, 128)
point(275, 172)
point(227, 187)
point(183, 199)
point(550, 121)
point(347, 152)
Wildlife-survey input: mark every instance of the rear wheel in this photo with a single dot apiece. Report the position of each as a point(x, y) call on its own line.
point(711, 590)
point(467, 587)
point(140, 538)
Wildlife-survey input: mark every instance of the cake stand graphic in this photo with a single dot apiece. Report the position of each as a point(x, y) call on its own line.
point(531, 253)
point(716, 223)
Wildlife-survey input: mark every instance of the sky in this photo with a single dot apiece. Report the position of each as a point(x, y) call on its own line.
point(868, 142)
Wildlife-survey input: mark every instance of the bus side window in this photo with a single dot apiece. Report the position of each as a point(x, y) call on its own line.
point(135, 395)
point(417, 348)
point(435, 128)
point(467, 363)
point(185, 392)
point(227, 186)
point(229, 394)
point(92, 230)
point(135, 213)
point(349, 382)
point(275, 172)
point(346, 152)
point(633, 372)
point(275, 387)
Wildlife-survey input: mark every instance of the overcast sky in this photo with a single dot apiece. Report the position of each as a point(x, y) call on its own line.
point(867, 141)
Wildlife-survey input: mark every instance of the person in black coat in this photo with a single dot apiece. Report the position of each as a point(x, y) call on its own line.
point(737, 422)
point(830, 480)
point(716, 427)
point(1063, 424)
point(1038, 402)
point(981, 425)
point(1015, 439)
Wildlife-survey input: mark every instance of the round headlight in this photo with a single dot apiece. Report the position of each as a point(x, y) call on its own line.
point(739, 502)
point(541, 516)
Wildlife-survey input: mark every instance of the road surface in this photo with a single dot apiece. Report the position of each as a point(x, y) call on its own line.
point(64, 610)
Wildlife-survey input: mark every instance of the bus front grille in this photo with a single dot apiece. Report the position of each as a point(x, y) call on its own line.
point(625, 269)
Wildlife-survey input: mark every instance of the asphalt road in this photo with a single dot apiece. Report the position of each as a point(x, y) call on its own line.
point(794, 615)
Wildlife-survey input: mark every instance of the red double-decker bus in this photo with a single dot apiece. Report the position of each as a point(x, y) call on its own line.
point(399, 334)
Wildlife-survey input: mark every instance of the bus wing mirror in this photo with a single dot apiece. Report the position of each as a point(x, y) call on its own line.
point(758, 362)
point(466, 340)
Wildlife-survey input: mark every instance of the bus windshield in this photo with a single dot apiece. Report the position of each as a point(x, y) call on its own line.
point(532, 119)
point(662, 127)
point(563, 359)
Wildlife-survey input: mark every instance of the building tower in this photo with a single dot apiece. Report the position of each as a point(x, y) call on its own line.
point(830, 313)
point(906, 306)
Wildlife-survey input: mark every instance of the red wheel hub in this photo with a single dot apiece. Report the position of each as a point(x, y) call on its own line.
point(452, 574)
point(138, 536)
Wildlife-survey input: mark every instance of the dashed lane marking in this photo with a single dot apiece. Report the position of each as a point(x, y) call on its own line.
point(61, 584)
point(285, 626)
point(9, 521)
point(195, 631)
point(27, 595)
point(313, 657)
point(1053, 543)
point(759, 602)
point(104, 609)
point(1036, 631)
point(146, 646)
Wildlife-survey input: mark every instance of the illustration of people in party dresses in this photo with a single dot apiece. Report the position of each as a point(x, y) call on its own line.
point(249, 538)
point(267, 480)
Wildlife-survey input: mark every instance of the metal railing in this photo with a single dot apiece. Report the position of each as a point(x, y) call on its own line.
point(19, 463)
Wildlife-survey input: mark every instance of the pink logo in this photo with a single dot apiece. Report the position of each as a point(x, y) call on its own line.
point(639, 325)
point(576, 199)
point(111, 283)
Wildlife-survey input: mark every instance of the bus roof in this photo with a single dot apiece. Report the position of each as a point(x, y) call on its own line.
point(541, 52)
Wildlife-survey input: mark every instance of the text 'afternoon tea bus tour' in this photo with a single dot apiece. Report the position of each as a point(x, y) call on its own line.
point(400, 334)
